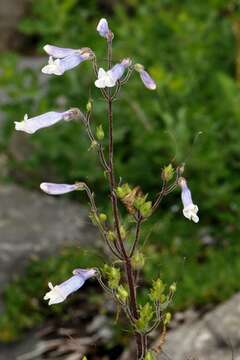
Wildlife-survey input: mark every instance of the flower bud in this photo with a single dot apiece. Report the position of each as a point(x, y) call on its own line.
point(123, 232)
point(146, 209)
point(89, 106)
point(167, 173)
point(123, 191)
point(145, 316)
point(149, 356)
point(100, 133)
point(173, 287)
point(157, 290)
point(122, 293)
point(167, 318)
point(102, 217)
point(113, 275)
point(138, 260)
point(111, 236)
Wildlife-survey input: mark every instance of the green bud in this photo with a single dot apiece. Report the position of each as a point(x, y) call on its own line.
point(84, 358)
point(138, 67)
point(149, 356)
point(123, 232)
point(113, 275)
point(146, 209)
point(156, 293)
point(123, 191)
point(173, 287)
point(145, 316)
point(111, 236)
point(89, 106)
point(167, 318)
point(100, 133)
point(138, 260)
point(122, 293)
point(93, 145)
point(102, 217)
point(162, 298)
point(167, 173)
point(139, 201)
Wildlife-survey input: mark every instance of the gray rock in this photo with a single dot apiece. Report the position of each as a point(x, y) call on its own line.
point(11, 11)
point(216, 336)
point(33, 223)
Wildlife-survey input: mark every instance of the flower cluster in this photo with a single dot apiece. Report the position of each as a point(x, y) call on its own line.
point(122, 288)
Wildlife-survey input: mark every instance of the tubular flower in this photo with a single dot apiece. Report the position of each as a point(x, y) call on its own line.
point(110, 77)
point(103, 28)
point(189, 209)
point(59, 293)
point(145, 77)
point(63, 59)
point(50, 118)
point(59, 189)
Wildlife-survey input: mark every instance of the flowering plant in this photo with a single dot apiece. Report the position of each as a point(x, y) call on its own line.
point(120, 278)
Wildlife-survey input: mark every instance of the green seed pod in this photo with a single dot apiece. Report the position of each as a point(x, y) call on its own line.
point(102, 217)
point(149, 356)
point(89, 106)
point(122, 293)
point(167, 318)
point(138, 260)
point(111, 236)
point(167, 173)
point(100, 133)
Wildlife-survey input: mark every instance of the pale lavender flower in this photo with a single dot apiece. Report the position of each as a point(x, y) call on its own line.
point(59, 189)
point(110, 77)
point(65, 59)
point(189, 209)
point(145, 77)
point(59, 293)
point(50, 118)
point(103, 28)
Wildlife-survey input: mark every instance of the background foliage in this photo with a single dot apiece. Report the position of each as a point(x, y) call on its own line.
point(191, 49)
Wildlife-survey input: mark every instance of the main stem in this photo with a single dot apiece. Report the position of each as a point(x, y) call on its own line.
point(141, 348)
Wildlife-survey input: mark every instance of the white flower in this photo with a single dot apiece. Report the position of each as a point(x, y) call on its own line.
point(190, 210)
point(59, 293)
point(110, 77)
point(104, 79)
point(50, 118)
point(65, 59)
point(59, 189)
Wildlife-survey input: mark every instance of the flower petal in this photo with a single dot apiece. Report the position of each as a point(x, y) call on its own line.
point(147, 80)
point(31, 125)
point(103, 28)
point(59, 66)
point(58, 189)
point(58, 52)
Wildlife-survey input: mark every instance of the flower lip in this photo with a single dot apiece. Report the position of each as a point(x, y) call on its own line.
point(190, 210)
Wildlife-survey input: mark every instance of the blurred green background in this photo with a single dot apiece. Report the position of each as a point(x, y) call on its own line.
point(192, 50)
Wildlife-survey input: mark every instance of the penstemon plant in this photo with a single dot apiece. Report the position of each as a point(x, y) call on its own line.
point(119, 278)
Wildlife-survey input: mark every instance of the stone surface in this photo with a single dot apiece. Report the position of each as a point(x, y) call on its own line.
point(11, 11)
point(33, 223)
point(215, 337)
